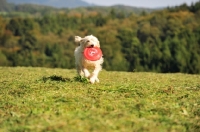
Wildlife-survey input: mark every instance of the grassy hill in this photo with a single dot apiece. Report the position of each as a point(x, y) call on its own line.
point(43, 99)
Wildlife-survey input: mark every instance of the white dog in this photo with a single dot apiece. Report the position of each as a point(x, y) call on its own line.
point(83, 65)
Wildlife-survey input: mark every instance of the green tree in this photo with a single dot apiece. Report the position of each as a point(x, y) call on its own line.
point(130, 47)
point(3, 59)
point(28, 41)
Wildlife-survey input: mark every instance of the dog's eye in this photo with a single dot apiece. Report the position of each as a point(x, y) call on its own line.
point(88, 41)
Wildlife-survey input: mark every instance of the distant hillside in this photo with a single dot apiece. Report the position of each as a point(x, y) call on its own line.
point(119, 9)
point(23, 6)
point(53, 3)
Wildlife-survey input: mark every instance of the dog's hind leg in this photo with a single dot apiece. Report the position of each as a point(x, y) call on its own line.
point(79, 70)
point(86, 72)
point(95, 73)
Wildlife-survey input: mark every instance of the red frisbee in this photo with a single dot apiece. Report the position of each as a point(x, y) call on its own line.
point(92, 54)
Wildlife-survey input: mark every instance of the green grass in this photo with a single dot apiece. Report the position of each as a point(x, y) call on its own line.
point(43, 99)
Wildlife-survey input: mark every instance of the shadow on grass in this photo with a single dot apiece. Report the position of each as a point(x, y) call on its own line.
point(62, 79)
point(56, 78)
point(81, 79)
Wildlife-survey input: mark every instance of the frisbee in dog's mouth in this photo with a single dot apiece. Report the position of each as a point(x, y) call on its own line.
point(92, 53)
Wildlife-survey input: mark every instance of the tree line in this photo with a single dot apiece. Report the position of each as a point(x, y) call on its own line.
point(164, 41)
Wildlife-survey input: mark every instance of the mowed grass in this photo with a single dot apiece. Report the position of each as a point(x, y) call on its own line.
point(43, 99)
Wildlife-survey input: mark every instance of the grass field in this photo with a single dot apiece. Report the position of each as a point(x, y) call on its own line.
point(43, 99)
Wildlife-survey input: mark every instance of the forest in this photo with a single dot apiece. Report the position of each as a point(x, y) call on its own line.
point(165, 41)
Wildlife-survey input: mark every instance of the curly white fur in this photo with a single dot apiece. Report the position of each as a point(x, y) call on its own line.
point(83, 65)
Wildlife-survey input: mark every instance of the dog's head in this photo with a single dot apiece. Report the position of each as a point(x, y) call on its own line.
point(87, 41)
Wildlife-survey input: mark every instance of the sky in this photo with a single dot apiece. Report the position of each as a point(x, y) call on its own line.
point(141, 3)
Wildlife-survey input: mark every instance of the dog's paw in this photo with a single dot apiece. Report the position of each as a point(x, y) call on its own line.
point(87, 75)
point(92, 80)
point(97, 80)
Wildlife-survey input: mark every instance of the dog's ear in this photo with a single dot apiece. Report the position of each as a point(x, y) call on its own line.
point(77, 39)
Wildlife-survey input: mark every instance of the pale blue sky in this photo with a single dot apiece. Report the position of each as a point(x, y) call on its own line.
point(141, 3)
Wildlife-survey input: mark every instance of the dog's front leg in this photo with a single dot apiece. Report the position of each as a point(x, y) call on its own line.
point(94, 76)
point(86, 72)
